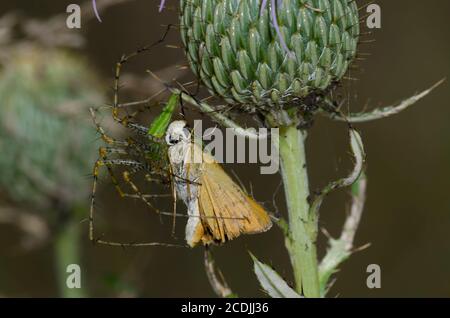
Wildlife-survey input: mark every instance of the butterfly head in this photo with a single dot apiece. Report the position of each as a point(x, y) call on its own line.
point(176, 132)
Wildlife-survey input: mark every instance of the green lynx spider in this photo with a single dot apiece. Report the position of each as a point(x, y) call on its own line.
point(145, 154)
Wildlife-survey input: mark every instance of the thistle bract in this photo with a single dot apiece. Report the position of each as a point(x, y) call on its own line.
point(236, 47)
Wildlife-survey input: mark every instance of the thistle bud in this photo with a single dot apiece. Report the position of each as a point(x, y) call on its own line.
point(268, 54)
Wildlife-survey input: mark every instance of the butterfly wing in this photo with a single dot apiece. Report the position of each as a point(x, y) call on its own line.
point(226, 210)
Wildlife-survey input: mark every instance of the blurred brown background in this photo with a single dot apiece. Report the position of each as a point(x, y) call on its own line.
point(407, 217)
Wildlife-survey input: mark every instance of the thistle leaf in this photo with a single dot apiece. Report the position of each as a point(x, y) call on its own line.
point(360, 156)
point(271, 282)
point(385, 112)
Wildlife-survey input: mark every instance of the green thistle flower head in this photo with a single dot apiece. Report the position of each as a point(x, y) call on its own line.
point(264, 54)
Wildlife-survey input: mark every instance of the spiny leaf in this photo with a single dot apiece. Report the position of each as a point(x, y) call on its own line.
point(359, 154)
point(388, 111)
point(271, 282)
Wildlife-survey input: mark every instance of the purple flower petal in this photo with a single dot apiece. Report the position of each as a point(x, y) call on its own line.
point(94, 4)
point(161, 5)
point(263, 7)
point(273, 14)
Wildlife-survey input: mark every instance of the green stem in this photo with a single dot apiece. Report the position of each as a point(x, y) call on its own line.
point(302, 227)
point(67, 252)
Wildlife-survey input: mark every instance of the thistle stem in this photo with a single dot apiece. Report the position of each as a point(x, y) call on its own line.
point(67, 252)
point(302, 227)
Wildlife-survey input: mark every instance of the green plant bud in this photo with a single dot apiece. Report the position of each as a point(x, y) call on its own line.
point(234, 48)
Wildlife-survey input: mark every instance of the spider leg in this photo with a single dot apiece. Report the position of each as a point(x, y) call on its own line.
point(124, 120)
point(145, 198)
point(127, 178)
point(107, 139)
point(100, 163)
point(108, 163)
point(113, 142)
point(118, 147)
point(141, 130)
point(142, 102)
point(135, 244)
point(96, 171)
point(122, 146)
point(174, 195)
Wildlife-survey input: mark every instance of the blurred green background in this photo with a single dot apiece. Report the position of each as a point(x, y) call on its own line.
point(407, 216)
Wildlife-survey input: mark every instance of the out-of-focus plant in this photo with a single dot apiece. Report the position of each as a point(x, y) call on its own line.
point(45, 135)
point(48, 143)
point(46, 131)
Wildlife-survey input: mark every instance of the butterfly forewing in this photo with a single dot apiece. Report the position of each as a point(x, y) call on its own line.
point(226, 209)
